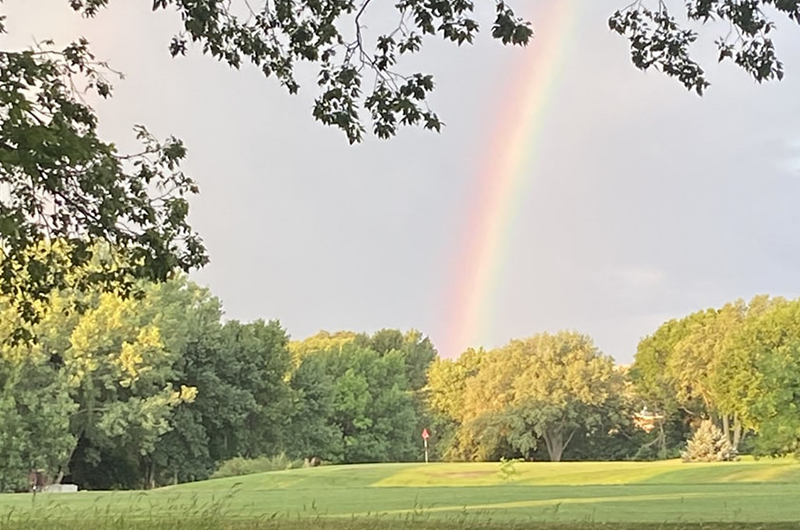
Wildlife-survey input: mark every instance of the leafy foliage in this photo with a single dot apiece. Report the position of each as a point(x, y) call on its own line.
point(98, 383)
point(356, 73)
point(763, 373)
point(35, 412)
point(64, 189)
point(507, 468)
point(544, 389)
point(356, 401)
point(659, 40)
point(698, 365)
point(156, 390)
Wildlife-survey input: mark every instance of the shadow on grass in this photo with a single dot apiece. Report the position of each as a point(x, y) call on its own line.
point(215, 514)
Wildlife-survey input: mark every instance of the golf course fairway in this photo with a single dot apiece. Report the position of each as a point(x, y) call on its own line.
point(580, 493)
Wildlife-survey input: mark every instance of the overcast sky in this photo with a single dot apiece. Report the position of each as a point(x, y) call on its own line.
point(647, 202)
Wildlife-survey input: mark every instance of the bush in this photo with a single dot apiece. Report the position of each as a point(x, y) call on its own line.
point(648, 452)
point(709, 444)
point(652, 451)
point(248, 466)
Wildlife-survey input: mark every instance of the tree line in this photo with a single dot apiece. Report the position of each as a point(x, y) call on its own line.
point(148, 390)
point(738, 365)
point(144, 391)
point(557, 396)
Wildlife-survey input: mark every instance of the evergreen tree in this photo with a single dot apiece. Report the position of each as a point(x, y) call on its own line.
point(709, 444)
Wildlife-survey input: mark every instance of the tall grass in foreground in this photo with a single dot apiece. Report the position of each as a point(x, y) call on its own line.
point(368, 523)
point(214, 515)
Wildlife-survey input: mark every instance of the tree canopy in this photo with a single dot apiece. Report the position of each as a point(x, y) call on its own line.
point(659, 38)
point(357, 45)
point(140, 392)
point(74, 212)
point(151, 390)
point(541, 390)
point(736, 365)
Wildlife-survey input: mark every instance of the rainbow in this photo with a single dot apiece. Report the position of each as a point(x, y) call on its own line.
point(502, 183)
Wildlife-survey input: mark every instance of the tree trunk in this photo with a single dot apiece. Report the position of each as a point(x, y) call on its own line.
point(726, 427)
point(64, 464)
point(556, 444)
point(738, 435)
point(553, 441)
point(148, 467)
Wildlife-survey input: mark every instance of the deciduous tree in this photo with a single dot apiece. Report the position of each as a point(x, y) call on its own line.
point(546, 388)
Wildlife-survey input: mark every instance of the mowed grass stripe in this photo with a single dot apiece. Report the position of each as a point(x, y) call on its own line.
point(489, 507)
point(582, 473)
point(655, 503)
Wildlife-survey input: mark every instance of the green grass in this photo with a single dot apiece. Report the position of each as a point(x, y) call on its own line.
point(443, 496)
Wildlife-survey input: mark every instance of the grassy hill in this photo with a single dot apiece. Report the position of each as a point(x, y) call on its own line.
point(658, 492)
point(527, 473)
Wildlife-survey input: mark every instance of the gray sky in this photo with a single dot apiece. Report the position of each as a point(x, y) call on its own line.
point(647, 203)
